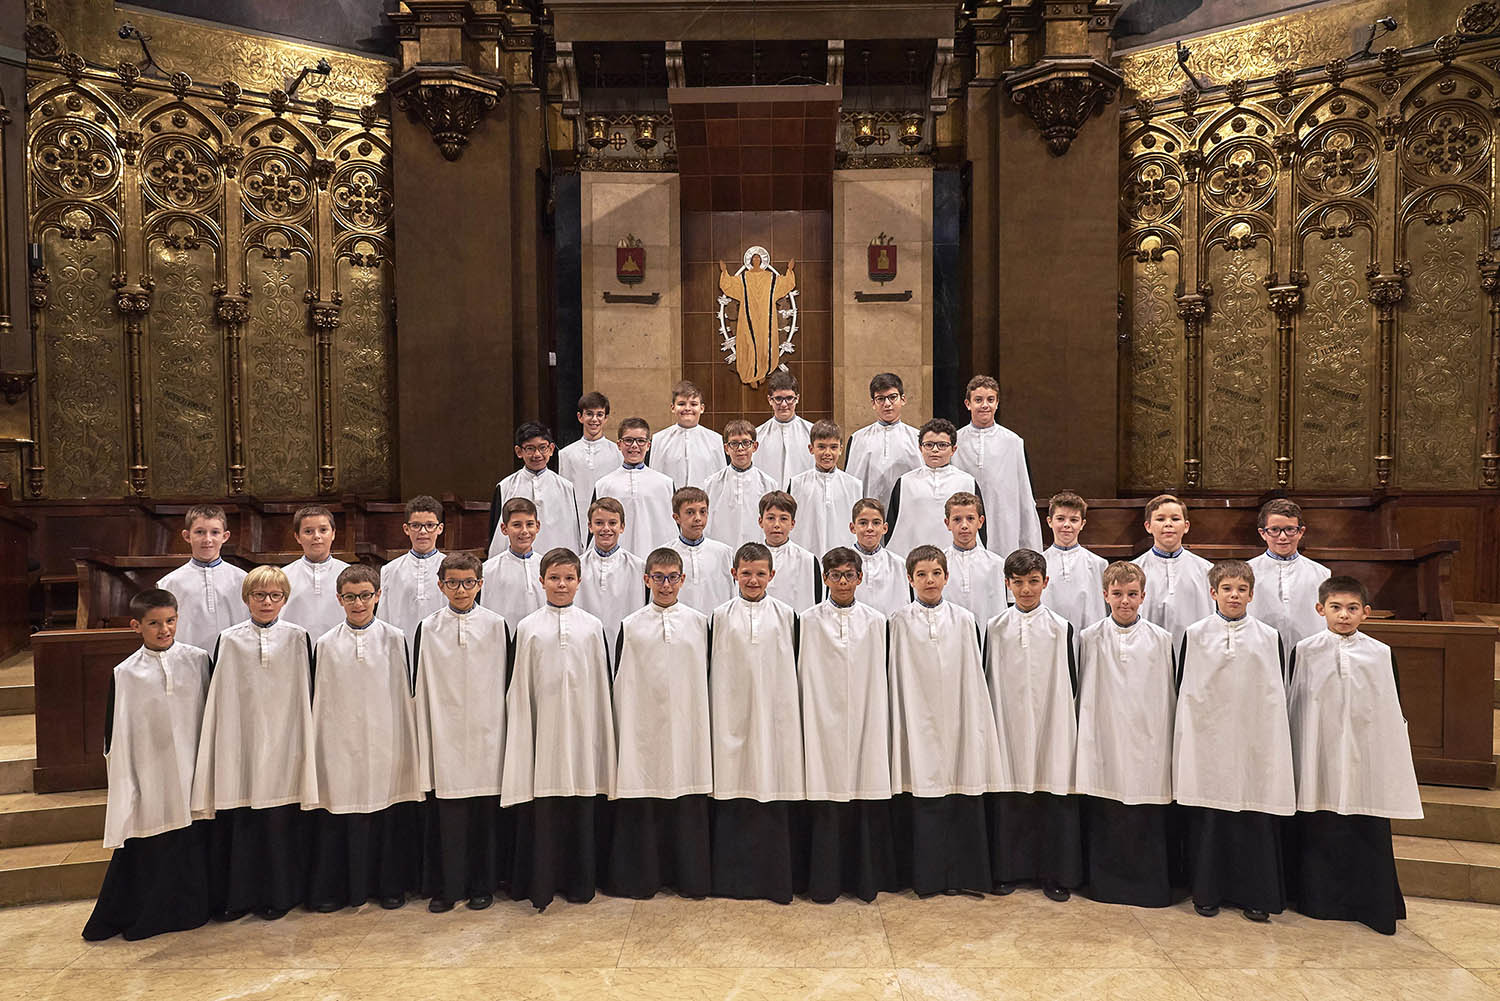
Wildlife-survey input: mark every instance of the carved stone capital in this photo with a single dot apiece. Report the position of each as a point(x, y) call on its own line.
point(1061, 94)
point(449, 102)
point(133, 300)
point(1489, 273)
point(37, 287)
point(1387, 290)
point(1192, 307)
point(1192, 163)
point(14, 385)
point(324, 315)
point(232, 310)
point(1285, 299)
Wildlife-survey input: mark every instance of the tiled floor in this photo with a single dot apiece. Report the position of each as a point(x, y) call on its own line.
point(900, 949)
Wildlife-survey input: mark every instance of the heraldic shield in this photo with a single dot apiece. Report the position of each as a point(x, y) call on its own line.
point(756, 345)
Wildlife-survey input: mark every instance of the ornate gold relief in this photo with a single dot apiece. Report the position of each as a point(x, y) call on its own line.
point(1239, 396)
point(1335, 357)
point(186, 368)
point(1153, 415)
point(364, 377)
point(281, 448)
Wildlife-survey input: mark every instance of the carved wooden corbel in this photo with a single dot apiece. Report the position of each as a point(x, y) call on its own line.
point(450, 103)
point(1061, 94)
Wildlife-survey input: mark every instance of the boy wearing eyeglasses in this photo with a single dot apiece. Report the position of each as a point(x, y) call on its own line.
point(644, 494)
point(735, 490)
point(515, 590)
point(556, 504)
point(609, 574)
point(1287, 593)
point(785, 437)
point(314, 602)
point(366, 820)
point(409, 584)
point(918, 498)
point(879, 453)
point(460, 660)
point(664, 767)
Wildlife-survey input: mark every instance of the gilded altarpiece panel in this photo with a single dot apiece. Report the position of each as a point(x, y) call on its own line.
point(1153, 417)
point(1239, 369)
point(363, 377)
point(281, 418)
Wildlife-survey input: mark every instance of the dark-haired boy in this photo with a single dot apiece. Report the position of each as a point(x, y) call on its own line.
point(610, 575)
point(976, 576)
point(996, 457)
point(314, 602)
point(1287, 598)
point(157, 879)
point(687, 451)
point(798, 582)
point(644, 494)
point(409, 589)
point(515, 589)
point(824, 493)
point(556, 503)
point(884, 586)
point(1075, 576)
point(784, 438)
point(734, 491)
point(707, 564)
point(1352, 761)
point(559, 744)
point(918, 498)
point(207, 588)
point(664, 769)
point(590, 457)
point(879, 453)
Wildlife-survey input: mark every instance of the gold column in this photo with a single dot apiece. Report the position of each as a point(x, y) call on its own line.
point(234, 312)
point(1386, 291)
point(5, 324)
point(38, 288)
point(134, 302)
point(1193, 308)
point(1285, 300)
point(1489, 280)
point(325, 320)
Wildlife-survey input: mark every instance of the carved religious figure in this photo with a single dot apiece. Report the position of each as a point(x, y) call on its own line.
point(757, 287)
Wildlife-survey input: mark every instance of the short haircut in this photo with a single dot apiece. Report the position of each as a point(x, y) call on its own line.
point(424, 503)
point(962, 499)
point(740, 427)
point(460, 561)
point(1229, 570)
point(1123, 572)
point(310, 511)
point(686, 388)
point(157, 597)
point(842, 556)
point(1282, 506)
point(1024, 562)
point(205, 511)
point(884, 381)
point(534, 429)
point(939, 425)
point(781, 380)
point(823, 430)
point(753, 552)
point(560, 557)
point(688, 495)
point(664, 556)
point(922, 554)
point(515, 506)
point(867, 502)
point(635, 422)
point(264, 576)
point(1068, 499)
point(607, 504)
point(778, 500)
point(1340, 584)
point(1161, 499)
point(593, 401)
point(358, 573)
point(981, 382)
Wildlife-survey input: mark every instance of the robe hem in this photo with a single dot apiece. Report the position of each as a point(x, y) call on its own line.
point(1237, 807)
point(760, 797)
point(342, 810)
point(207, 812)
point(1349, 811)
point(861, 796)
point(463, 793)
point(697, 790)
point(1155, 799)
point(145, 834)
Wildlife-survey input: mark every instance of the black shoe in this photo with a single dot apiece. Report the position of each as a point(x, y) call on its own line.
point(392, 903)
point(1207, 910)
point(1259, 917)
point(480, 901)
point(1006, 889)
point(1057, 893)
point(327, 907)
point(272, 913)
point(228, 915)
point(437, 905)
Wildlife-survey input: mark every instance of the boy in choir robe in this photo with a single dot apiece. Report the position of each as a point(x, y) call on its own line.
point(664, 765)
point(408, 585)
point(461, 658)
point(687, 451)
point(945, 749)
point(996, 457)
point(883, 584)
point(207, 588)
point(1177, 588)
point(879, 453)
point(734, 491)
point(515, 588)
point(1232, 751)
point(707, 563)
point(367, 825)
point(644, 493)
point(846, 729)
point(157, 879)
point(590, 457)
point(552, 493)
point(798, 582)
point(919, 496)
point(756, 730)
point(1352, 760)
point(976, 575)
point(610, 586)
point(1036, 832)
point(559, 744)
point(785, 437)
point(1287, 598)
point(1127, 699)
point(1075, 576)
point(824, 493)
point(254, 769)
point(314, 600)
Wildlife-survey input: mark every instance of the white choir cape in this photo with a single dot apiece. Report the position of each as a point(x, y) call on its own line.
point(1075, 587)
point(976, 581)
point(409, 590)
point(1286, 596)
point(916, 507)
point(943, 736)
point(661, 704)
point(708, 564)
point(825, 509)
point(1232, 747)
point(996, 457)
point(879, 453)
point(1350, 749)
point(611, 587)
point(1176, 590)
point(783, 451)
point(556, 509)
point(846, 721)
point(559, 728)
point(753, 702)
point(688, 455)
point(513, 586)
point(799, 579)
point(581, 464)
point(1029, 665)
point(255, 748)
point(313, 599)
point(1127, 699)
point(208, 600)
point(646, 496)
point(364, 723)
point(734, 504)
point(460, 661)
point(151, 741)
point(884, 587)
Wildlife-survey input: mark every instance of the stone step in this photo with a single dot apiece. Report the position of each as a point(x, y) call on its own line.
point(1453, 814)
point(43, 819)
point(70, 870)
point(1448, 869)
point(17, 690)
point(17, 752)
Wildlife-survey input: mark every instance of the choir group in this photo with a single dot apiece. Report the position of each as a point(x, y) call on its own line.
point(755, 678)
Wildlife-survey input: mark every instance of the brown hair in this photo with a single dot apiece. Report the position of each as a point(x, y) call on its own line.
point(981, 382)
point(886, 380)
point(1069, 499)
point(962, 499)
point(359, 573)
point(1122, 572)
point(867, 502)
point(634, 422)
point(823, 430)
point(155, 597)
point(842, 556)
point(310, 511)
point(781, 380)
point(1282, 506)
point(515, 506)
point(939, 425)
point(688, 495)
point(922, 554)
point(735, 427)
point(558, 556)
point(1228, 570)
point(1333, 585)
point(664, 556)
point(205, 511)
point(685, 388)
point(779, 500)
point(753, 552)
point(1163, 499)
point(593, 401)
point(460, 561)
point(606, 504)
point(425, 504)
point(1024, 562)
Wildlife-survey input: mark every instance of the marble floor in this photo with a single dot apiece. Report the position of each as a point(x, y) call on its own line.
point(899, 949)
